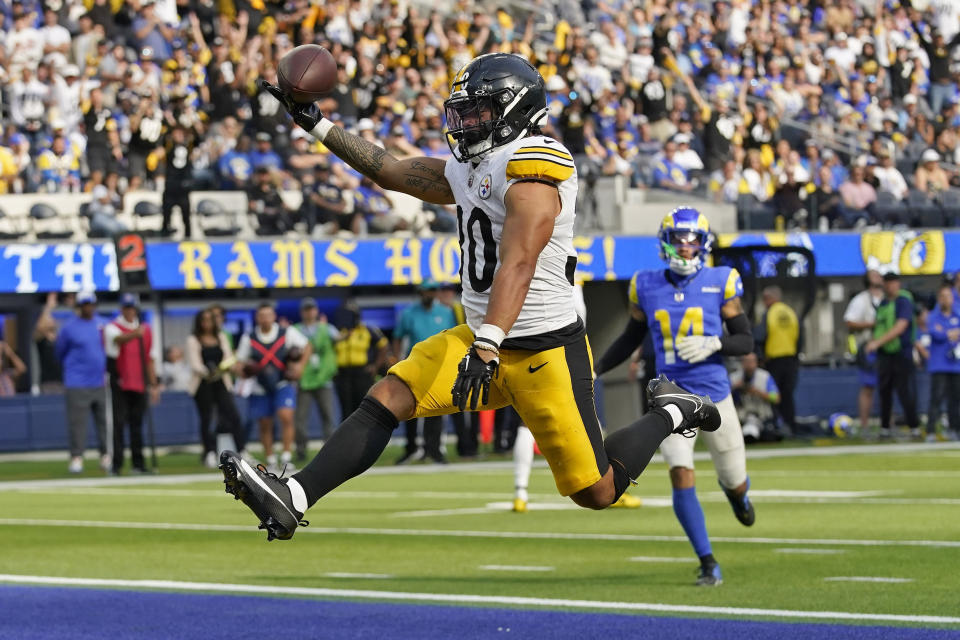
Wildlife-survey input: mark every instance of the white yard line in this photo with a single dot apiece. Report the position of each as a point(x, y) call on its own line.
point(511, 601)
point(827, 473)
point(660, 559)
point(465, 511)
point(867, 579)
point(512, 567)
point(803, 493)
point(456, 533)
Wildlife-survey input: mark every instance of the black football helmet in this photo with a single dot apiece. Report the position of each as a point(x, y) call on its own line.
point(495, 99)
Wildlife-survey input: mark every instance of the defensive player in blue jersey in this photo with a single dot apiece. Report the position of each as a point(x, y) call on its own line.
point(686, 307)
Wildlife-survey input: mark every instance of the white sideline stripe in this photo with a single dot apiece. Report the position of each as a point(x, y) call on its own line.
point(867, 579)
point(343, 574)
point(802, 551)
point(513, 601)
point(893, 448)
point(659, 559)
point(538, 502)
point(512, 567)
point(456, 533)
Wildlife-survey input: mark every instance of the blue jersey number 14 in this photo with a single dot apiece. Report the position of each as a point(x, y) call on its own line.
point(690, 325)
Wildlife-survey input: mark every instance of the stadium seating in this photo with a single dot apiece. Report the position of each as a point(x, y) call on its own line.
point(148, 217)
point(9, 229)
point(753, 214)
point(950, 203)
point(215, 220)
point(890, 211)
point(50, 225)
point(924, 212)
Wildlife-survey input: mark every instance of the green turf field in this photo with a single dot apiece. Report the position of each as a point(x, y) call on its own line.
point(889, 515)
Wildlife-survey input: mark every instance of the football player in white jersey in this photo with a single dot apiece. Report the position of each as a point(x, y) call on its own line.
point(522, 344)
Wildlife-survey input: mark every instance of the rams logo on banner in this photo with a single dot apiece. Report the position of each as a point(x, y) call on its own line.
point(905, 252)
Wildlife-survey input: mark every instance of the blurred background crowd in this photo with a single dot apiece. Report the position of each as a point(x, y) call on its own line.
point(805, 114)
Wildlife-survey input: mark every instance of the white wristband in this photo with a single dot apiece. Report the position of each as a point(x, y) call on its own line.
point(492, 333)
point(322, 129)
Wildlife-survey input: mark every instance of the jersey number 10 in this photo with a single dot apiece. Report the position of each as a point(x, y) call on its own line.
point(468, 249)
point(690, 325)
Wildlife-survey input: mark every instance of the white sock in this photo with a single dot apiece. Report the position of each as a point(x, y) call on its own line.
point(675, 413)
point(297, 496)
point(522, 461)
point(285, 457)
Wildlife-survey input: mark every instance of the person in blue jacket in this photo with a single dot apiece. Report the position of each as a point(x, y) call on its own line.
point(943, 323)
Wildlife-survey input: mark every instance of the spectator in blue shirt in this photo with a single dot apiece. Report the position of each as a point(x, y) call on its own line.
point(235, 166)
point(152, 33)
point(944, 364)
point(263, 156)
point(79, 348)
point(417, 323)
point(667, 174)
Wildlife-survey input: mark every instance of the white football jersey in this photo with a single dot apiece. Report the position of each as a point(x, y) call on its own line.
point(479, 190)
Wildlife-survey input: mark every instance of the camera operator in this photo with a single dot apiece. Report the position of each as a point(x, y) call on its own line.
point(755, 395)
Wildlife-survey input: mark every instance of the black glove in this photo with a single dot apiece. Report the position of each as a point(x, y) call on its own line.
point(305, 114)
point(473, 377)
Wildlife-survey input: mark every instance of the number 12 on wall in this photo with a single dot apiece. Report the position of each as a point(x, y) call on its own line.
point(691, 324)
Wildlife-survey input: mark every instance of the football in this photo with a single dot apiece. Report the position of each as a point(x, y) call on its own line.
point(307, 73)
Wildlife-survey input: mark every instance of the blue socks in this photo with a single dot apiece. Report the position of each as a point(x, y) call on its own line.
point(690, 514)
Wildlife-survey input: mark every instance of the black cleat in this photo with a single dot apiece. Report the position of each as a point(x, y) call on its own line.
point(742, 507)
point(264, 493)
point(698, 411)
point(708, 575)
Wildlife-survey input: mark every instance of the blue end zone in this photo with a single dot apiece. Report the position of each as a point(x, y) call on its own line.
point(46, 613)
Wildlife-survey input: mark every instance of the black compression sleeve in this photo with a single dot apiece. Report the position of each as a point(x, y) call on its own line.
point(739, 342)
point(625, 344)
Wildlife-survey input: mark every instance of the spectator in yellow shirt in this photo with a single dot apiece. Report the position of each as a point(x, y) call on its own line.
point(8, 170)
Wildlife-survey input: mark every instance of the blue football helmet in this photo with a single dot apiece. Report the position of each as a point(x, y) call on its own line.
point(684, 227)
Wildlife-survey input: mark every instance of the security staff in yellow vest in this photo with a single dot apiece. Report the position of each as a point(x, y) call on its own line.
point(361, 351)
point(779, 333)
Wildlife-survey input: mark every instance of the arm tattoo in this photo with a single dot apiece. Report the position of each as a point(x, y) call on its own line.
point(364, 156)
point(426, 180)
point(414, 177)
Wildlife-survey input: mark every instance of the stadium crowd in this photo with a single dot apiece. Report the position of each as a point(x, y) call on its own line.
point(804, 114)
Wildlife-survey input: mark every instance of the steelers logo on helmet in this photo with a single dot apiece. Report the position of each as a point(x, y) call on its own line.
point(685, 240)
point(495, 99)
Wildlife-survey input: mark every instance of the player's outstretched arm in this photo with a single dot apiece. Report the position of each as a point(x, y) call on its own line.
point(420, 177)
point(532, 209)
